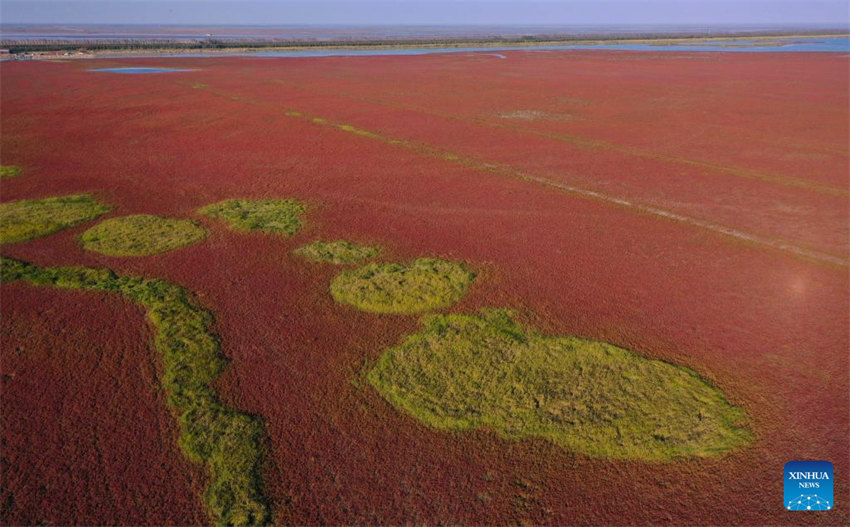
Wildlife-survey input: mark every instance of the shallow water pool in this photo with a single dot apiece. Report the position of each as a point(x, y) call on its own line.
point(137, 71)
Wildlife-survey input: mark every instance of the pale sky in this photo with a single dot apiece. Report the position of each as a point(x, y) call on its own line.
point(431, 12)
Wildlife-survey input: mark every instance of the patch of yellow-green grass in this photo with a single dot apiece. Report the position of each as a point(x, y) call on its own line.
point(7, 171)
point(466, 371)
point(141, 235)
point(278, 216)
point(28, 219)
point(228, 442)
point(424, 285)
point(339, 252)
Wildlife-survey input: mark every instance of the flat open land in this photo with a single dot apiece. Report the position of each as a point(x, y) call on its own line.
point(690, 207)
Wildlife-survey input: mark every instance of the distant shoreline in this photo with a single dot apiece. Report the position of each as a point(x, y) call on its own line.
point(131, 48)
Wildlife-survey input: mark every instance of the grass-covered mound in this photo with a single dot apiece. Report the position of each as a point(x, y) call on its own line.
point(464, 371)
point(9, 171)
point(228, 442)
point(141, 235)
point(424, 285)
point(28, 219)
point(279, 216)
point(339, 252)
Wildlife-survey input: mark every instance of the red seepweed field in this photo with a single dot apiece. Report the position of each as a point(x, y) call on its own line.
point(690, 207)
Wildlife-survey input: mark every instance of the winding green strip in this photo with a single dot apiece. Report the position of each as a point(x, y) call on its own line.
point(228, 442)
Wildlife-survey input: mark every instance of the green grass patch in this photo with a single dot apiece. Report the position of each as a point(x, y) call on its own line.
point(28, 219)
point(228, 442)
point(465, 371)
point(278, 216)
point(141, 235)
point(7, 171)
point(424, 285)
point(339, 252)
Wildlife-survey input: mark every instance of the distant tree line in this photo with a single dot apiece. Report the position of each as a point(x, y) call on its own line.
point(24, 46)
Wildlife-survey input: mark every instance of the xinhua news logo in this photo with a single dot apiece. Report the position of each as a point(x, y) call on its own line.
point(808, 486)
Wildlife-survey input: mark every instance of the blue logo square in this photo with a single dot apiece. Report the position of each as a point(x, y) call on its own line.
point(808, 486)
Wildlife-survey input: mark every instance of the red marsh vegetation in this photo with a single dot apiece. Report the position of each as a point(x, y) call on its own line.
point(690, 207)
point(86, 437)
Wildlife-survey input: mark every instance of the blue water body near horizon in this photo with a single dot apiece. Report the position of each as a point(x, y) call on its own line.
point(137, 71)
point(828, 44)
point(777, 45)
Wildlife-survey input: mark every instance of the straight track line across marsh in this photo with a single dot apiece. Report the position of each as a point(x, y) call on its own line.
point(516, 173)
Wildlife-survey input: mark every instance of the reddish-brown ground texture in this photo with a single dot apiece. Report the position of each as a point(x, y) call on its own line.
point(690, 207)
